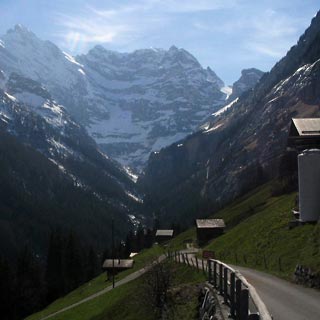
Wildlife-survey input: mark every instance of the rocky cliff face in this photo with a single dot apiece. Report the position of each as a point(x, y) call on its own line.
point(249, 78)
point(240, 147)
point(130, 103)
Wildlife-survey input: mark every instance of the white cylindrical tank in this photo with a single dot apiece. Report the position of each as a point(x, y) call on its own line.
point(309, 185)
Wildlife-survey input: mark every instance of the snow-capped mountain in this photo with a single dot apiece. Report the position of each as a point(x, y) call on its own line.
point(28, 112)
point(130, 103)
point(242, 145)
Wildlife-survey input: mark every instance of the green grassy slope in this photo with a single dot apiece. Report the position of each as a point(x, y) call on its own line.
point(127, 301)
point(98, 284)
point(258, 235)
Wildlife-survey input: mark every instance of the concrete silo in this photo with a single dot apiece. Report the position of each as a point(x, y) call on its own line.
point(309, 185)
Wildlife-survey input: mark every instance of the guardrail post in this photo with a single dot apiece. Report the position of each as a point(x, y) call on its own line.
point(220, 278)
point(238, 292)
point(215, 274)
point(232, 294)
point(225, 285)
point(244, 304)
point(210, 271)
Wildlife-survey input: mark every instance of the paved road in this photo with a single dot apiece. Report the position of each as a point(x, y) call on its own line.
point(284, 300)
point(125, 280)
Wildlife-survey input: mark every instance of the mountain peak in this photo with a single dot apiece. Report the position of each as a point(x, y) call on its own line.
point(22, 31)
point(173, 48)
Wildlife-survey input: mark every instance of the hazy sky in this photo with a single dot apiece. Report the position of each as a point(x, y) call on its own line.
point(227, 35)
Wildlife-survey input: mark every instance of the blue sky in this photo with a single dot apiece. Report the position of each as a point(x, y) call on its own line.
point(227, 35)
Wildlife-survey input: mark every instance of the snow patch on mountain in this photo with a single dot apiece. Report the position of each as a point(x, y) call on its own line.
point(225, 108)
point(130, 103)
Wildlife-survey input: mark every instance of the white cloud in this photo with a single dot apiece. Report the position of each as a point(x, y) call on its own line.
point(126, 21)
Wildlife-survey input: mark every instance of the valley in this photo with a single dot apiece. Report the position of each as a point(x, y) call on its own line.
point(101, 149)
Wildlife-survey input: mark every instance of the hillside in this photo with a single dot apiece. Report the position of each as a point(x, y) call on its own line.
point(240, 147)
point(258, 235)
point(114, 304)
point(37, 197)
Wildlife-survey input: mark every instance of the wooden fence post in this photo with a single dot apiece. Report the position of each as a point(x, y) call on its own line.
point(225, 285)
point(215, 274)
point(220, 279)
point(209, 271)
point(197, 264)
point(244, 304)
point(232, 294)
point(203, 266)
point(238, 293)
point(187, 260)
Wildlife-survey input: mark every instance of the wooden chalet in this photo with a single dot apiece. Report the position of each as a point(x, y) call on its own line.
point(117, 265)
point(164, 235)
point(208, 229)
point(304, 134)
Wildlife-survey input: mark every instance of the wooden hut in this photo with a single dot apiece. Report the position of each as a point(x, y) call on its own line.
point(304, 134)
point(208, 229)
point(117, 265)
point(164, 235)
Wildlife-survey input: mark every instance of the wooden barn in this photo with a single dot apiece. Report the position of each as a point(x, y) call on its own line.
point(164, 235)
point(118, 264)
point(208, 229)
point(304, 134)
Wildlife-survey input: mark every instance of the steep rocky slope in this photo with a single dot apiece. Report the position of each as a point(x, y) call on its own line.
point(53, 175)
point(241, 145)
point(130, 103)
point(249, 78)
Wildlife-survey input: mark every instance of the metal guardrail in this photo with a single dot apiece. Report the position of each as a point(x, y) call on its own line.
point(241, 296)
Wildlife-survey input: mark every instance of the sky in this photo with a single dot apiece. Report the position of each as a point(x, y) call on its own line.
point(227, 35)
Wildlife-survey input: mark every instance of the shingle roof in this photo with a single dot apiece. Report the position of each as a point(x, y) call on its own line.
point(210, 223)
point(164, 233)
point(118, 264)
point(307, 126)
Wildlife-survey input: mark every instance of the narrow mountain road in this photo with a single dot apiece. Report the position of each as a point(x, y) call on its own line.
point(121, 282)
point(283, 299)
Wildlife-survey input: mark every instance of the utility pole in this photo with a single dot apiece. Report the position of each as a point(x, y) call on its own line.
point(112, 235)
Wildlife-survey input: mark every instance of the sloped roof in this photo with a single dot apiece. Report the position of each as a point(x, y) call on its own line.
point(210, 223)
point(307, 126)
point(164, 233)
point(118, 264)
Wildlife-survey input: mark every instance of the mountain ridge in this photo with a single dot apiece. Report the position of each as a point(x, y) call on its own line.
point(241, 147)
